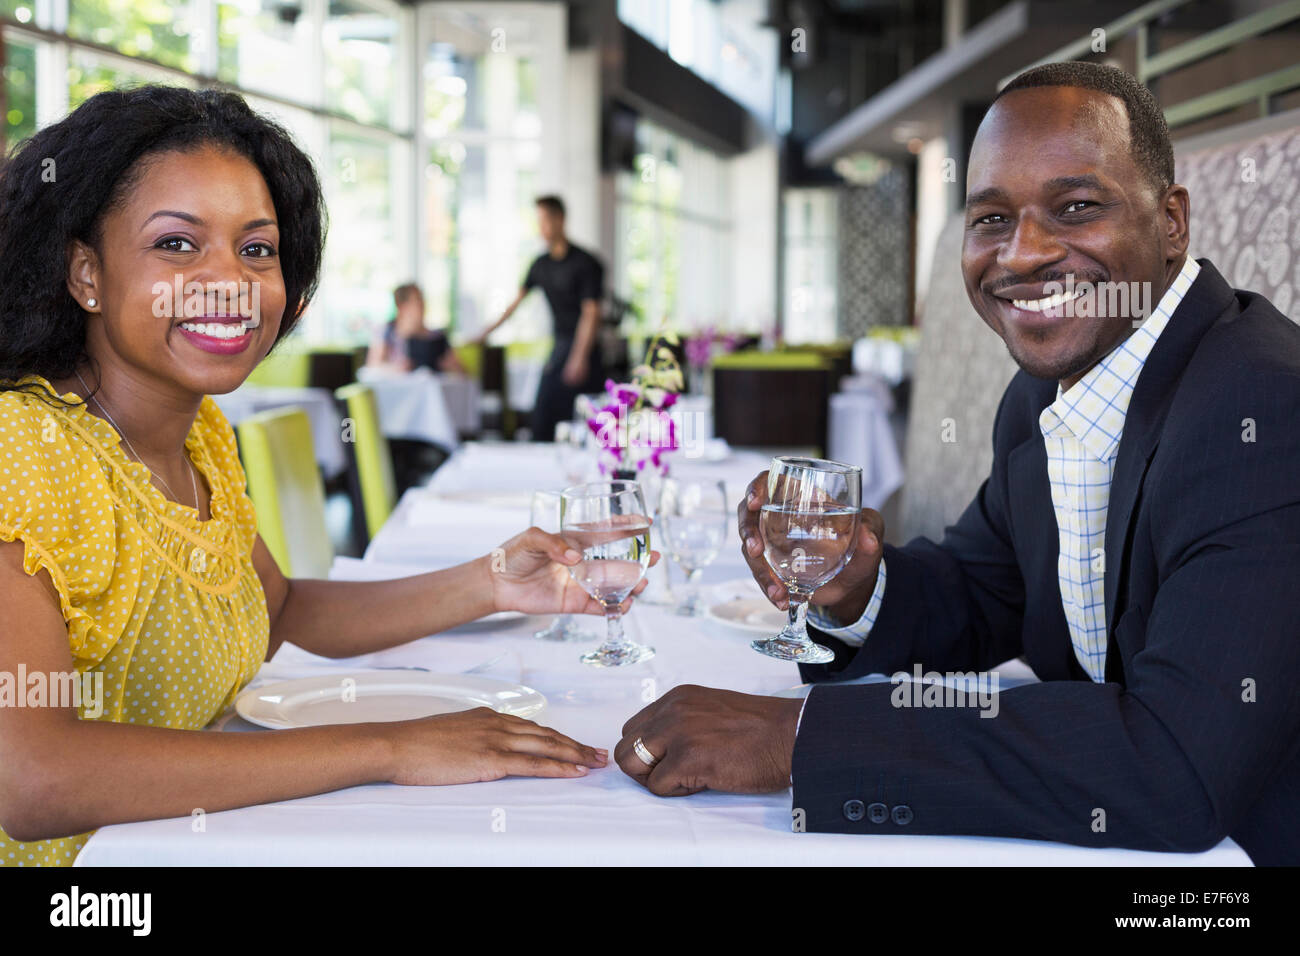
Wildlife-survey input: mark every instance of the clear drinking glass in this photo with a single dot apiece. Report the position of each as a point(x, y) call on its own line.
point(546, 515)
point(571, 451)
point(660, 589)
point(606, 522)
point(692, 521)
point(810, 527)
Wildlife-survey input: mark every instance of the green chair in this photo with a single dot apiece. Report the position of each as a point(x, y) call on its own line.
point(374, 460)
point(285, 486)
point(471, 356)
point(286, 367)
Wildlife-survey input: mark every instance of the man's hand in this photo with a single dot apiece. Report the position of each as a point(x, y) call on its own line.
point(575, 370)
point(846, 595)
point(708, 739)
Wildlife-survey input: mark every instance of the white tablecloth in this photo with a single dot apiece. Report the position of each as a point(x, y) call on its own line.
point(603, 818)
point(318, 403)
point(461, 394)
point(861, 434)
point(413, 405)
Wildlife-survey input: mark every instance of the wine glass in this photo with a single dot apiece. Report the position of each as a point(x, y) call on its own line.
point(693, 520)
point(809, 526)
point(660, 589)
point(546, 515)
point(606, 522)
point(571, 450)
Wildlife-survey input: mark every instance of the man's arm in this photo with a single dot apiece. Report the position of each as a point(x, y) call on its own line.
point(510, 310)
point(579, 360)
point(955, 605)
point(1172, 761)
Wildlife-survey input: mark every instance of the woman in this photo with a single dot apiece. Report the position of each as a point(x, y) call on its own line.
point(405, 343)
point(128, 547)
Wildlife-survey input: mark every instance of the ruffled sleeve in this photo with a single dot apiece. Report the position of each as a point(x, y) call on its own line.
point(55, 499)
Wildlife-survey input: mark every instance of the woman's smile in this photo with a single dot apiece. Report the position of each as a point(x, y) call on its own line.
point(219, 334)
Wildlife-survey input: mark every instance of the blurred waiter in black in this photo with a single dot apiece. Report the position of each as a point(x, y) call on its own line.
point(573, 282)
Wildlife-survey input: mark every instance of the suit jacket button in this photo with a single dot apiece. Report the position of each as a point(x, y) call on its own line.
point(853, 810)
point(877, 813)
point(902, 814)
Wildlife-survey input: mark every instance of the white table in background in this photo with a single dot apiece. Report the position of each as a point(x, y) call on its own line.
point(860, 433)
point(413, 405)
point(318, 403)
point(461, 394)
point(604, 818)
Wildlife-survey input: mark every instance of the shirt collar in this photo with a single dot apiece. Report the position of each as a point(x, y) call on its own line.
point(1094, 408)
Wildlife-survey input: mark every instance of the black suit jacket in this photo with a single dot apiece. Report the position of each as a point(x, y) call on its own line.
point(1195, 735)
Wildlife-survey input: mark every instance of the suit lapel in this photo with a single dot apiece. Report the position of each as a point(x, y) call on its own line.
point(1205, 301)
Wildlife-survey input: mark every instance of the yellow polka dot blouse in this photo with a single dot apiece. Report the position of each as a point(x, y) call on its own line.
point(166, 606)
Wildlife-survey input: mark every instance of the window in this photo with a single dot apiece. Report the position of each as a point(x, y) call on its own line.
point(490, 73)
point(360, 47)
point(363, 263)
point(810, 263)
point(674, 233)
point(325, 69)
point(264, 45)
point(722, 41)
point(91, 73)
point(169, 33)
point(20, 91)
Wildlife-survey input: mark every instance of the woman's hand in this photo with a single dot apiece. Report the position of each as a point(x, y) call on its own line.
point(529, 573)
point(480, 744)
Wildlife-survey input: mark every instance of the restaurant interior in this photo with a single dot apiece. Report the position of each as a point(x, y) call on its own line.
point(774, 190)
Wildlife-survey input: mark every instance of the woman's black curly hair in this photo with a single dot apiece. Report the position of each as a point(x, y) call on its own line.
point(59, 185)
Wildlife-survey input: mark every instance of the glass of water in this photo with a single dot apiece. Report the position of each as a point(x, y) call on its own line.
point(546, 515)
point(693, 520)
point(571, 451)
point(810, 527)
point(606, 522)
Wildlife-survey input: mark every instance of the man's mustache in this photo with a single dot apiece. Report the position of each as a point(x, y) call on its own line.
point(1094, 278)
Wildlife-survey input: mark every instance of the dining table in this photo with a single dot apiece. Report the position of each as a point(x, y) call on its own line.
point(427, 406)
point(477, 500)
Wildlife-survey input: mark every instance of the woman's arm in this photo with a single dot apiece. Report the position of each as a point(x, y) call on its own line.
point(346, 618)
point(60, 775)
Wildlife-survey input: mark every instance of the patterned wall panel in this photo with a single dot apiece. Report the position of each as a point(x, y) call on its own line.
point(1245, 214)
point(875, 254)
point(962, 369)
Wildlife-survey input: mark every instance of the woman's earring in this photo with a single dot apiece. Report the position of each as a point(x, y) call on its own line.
point(91, 303)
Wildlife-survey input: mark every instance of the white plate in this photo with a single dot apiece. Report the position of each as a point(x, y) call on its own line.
point(380, 696)
point(756, 615)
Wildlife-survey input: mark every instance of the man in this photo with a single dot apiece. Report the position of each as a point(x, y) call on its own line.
point(406, 343)
point(1137, 542)
point(572, 279)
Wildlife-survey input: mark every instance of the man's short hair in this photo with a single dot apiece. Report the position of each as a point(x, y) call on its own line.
point(552, 204)
point(404, 292)
point(1148, 132)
